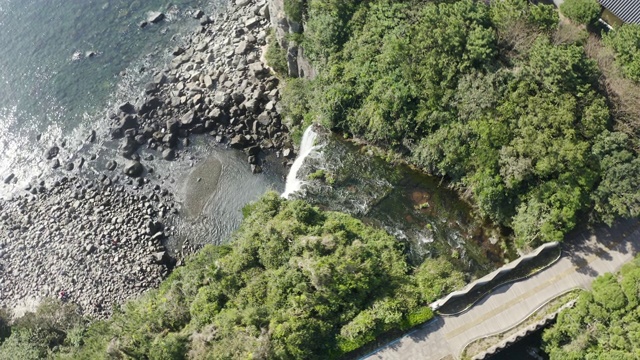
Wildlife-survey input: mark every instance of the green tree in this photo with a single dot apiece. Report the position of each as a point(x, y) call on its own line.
point(581, 11)
point(625, 41)
point(603, 324)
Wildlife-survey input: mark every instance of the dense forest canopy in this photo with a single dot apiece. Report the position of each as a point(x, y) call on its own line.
point(502, 100)
point(295, 283)
point(604, 323)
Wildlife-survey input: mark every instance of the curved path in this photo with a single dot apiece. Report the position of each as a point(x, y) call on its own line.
point(587, 255)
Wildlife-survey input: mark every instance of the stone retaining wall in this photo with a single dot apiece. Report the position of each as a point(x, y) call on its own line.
point(491, 276)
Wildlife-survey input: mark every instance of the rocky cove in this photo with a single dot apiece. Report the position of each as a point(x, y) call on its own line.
point(106, 222)
point(93, 229)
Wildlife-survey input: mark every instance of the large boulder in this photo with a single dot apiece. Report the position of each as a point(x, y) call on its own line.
point(133, 168)
point(238, 142)
point(128, 122)
point(127, 108)
point(52, 152)
point(172, 126)
point(150, 104)
point(169, 154)
point(188, 119)
point(155, 17)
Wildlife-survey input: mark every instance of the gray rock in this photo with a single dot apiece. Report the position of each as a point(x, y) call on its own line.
point(9, 177)
point(155, 17)
point(188, 118)
point(177, 51)
point(238, 142)
point(160, 257)
point(133, 168)
point(128, 122)
point(198, 14)
point(172, 126)
point(252, 22)
point(222, 99)
point(127, 108)
point(52, 152)
point(242, 48)
point(288, 153)
point(169, 154)
point(92, 137)
point(90, 248)
point(208, 82)
point(264, 119)
point(111, 165)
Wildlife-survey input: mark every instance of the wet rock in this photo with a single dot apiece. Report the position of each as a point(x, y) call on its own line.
point(127, 107)
point(188, 118)
point(238, 142)
point(172, 126)
point(52, 152)
point(133, 168)
point(168, 154)
point(198, 14)
point(9, 177)
point(111, 165)
point(177, 51)
point(288, 153)
point(128, 122)
point(155, 17)
point(69, 166)
point(92, 137)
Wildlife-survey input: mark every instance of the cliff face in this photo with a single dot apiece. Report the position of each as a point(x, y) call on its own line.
point(298, 65)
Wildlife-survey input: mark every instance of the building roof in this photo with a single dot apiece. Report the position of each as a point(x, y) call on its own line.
point(627, 10)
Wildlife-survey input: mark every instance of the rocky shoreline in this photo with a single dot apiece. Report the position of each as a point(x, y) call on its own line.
point(98, 240)
point(216, 85)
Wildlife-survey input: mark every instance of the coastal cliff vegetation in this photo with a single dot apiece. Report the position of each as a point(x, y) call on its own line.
point(295, 282)
point(506, 102)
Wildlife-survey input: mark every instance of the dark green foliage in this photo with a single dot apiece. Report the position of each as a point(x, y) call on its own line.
point(581, 11)
point(276, 57)
point(54, 324)
point(5, 328)
point(295, 9)
point(295, 283)
point(617, 194)
point(625, 41)
point(603, 324)
point(481, 95)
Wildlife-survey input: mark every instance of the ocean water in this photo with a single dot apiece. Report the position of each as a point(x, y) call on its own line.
point(48, 98)
point(44, 92)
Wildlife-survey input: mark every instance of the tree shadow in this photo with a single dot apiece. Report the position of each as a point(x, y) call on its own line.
point(421, 335)
point(600, 241)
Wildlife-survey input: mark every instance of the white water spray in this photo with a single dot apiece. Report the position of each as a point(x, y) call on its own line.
point(306, 147)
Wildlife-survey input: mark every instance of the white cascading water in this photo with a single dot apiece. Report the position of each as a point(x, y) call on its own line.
point(306, 147)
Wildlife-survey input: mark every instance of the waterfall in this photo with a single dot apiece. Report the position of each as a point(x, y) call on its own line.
point(306, 147)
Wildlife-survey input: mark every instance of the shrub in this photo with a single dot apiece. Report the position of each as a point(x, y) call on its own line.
point(625, 41)
point(276, 57)
point(295, 9)
point(581, 11)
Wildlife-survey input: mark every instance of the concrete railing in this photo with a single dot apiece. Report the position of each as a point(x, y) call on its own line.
point(492, 276)
point(522, 333)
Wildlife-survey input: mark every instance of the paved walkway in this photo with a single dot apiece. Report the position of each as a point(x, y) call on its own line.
point(593, 254)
